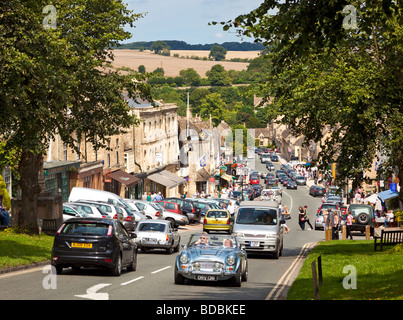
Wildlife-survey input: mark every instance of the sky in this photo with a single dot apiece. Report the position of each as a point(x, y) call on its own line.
point(187, 20)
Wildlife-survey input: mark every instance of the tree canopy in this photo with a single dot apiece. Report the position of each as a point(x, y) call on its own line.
point(335, 77)
point(53, 81)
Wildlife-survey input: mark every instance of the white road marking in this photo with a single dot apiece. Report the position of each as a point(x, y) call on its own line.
point(283, 282)
point(159, 270)
point(125, 283)
point(92, 292)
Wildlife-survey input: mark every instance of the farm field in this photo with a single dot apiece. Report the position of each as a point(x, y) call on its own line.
point(172, 65)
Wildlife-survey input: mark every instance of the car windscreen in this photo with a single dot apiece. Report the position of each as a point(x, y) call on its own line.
point(257, 216)
point(84, 228)
point(152, 227)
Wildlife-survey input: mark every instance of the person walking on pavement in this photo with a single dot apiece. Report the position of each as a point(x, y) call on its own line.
point(349, 222)
point(307, 217)
point(301, 219)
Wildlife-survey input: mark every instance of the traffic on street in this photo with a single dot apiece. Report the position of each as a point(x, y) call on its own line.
point(254, 252)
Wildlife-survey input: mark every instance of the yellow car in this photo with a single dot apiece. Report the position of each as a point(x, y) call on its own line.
point(218, 220)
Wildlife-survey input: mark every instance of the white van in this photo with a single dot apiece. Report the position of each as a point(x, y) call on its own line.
point(258, 226)
point(80, 193)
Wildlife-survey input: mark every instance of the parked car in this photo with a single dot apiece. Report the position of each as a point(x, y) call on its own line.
point(171, 206)
point(157, 234)
point(363, 215)
point(125, 215)
point(291, 184)
point(274, 158)
point(205, 205)
point(258, 226)
point(226, 260)
point(271, 183)
point(316, 190)
point(94, 242)
point(155, 210)
point(150, 210)
point(187, 208)
point(319, 221)
point(217, 220)
point(72, 211)
point(93, 210)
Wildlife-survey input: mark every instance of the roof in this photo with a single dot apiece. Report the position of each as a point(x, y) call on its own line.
point(267, 204)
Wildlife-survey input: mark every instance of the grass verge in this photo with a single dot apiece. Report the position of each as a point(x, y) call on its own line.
point(379, 275)
point(18, 249)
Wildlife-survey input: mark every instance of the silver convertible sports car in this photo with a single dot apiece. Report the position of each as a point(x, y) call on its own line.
point(212, 257)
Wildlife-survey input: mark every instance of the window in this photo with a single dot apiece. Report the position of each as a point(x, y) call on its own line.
point(257, 216)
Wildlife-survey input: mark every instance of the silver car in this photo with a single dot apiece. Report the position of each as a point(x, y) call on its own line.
point(157, 234)
point(259, 227)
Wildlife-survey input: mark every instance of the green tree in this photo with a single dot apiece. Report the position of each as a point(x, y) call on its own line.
point(212, 105)
point(160, 46)
point(218, 53)
point(218, 76)
point(328, 73)
point(52, 83)
point(190, 76)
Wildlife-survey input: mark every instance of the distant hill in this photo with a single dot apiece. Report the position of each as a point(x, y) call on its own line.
point(182, 45)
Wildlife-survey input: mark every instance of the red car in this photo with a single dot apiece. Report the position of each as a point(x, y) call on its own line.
point(254, 179)
point(171, 206)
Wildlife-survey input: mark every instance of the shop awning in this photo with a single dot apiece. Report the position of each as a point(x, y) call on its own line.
point(387, 194)
point(124, 178)
point(202, 175)
point(166, 178)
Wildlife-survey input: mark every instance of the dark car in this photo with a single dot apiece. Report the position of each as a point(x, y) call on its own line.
point(94, 242)
point(271, 183)
point(291, 184)
point(274, 158)
point(317, 190)
point(363, 215)
point(205, 206)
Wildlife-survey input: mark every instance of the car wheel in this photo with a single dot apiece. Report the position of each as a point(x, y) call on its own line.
point(245, 274)
point(133, 265)
point(172, 221)
point(237, 280)
point(117, 269)
point(170, 250)
point(178, 278)
point(59, 269)
point(176, 249)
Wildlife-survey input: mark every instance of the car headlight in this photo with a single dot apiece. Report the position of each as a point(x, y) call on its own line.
point(231, 260)
point(184, 258)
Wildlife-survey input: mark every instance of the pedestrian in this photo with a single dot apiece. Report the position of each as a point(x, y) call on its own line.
point(286, 216)
point(335, 227)
point(349, 222)
point(306, 216)
point(149, 197)
point(4, 215)
point(301, 219)
point(144, 196)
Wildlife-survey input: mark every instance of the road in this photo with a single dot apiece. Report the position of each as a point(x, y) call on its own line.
point(153, 280)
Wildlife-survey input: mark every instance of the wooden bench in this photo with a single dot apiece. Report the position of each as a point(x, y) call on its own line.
point(388, 238)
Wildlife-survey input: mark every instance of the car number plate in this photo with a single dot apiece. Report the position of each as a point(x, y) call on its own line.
point(207, 278)
point(152, 240)
point(81, 245)
point(254, 243)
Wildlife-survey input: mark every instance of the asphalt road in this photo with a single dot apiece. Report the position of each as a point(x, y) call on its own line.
point(268, 278)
